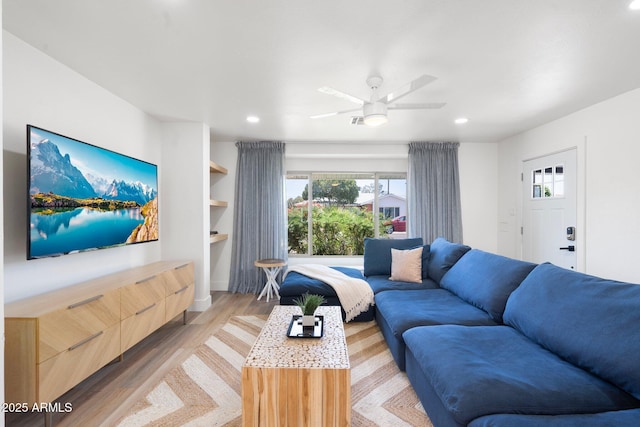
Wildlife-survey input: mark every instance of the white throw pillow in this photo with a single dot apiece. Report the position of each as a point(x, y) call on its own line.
point(406, 265)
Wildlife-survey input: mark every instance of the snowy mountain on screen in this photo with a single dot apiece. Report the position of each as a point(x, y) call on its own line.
point(134, 191)
point(51, 172)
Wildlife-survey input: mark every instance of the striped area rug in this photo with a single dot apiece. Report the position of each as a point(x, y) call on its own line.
point(205, 390)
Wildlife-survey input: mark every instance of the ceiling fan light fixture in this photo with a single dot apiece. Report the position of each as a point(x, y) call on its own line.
point(375, 114)
point(375, 120)
point(374, 111)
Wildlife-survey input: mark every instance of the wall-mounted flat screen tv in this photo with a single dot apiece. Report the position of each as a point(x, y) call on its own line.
point(83, 197)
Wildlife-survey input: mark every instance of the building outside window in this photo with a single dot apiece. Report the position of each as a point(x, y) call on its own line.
point(332, 213)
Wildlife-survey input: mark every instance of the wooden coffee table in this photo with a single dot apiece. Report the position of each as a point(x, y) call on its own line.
point(297, 381)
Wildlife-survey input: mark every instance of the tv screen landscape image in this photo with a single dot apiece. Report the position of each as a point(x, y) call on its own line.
point(83, 197)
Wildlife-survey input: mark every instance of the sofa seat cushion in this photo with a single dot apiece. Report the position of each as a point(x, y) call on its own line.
point(377, 254)
point(486, 280)
point(397, 311)
point(382, 283)
point(477, 371)
point(407, 309)
point(442, 256)
point(589, 321)
point(628, 418)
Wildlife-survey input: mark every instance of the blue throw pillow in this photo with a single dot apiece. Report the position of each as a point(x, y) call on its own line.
point(377, 253)
point(443, 254)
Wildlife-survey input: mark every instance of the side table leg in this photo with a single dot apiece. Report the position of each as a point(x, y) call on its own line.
point(271, 287)
point(267, 287)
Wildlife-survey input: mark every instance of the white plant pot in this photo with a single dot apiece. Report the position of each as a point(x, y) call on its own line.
point(308, 320)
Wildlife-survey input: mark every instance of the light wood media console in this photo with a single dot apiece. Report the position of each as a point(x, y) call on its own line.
point(56, 340)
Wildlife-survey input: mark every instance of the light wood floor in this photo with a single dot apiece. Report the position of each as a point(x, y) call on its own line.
point(105, 396)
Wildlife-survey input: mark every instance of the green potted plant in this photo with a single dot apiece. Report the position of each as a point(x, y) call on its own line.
point(308, 304)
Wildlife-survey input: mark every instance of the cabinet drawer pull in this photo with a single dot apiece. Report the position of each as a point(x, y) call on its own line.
point(145, 280)
point(179, 291)
point(181, 266)
point(145, 309)
point(87, 301)
point(86, 340)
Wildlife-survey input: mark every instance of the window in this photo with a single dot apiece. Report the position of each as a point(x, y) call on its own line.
point(332, 213)
point(547, 182)
point(389, 212)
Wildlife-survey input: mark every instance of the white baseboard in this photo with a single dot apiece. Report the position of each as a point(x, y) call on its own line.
point(201, 304)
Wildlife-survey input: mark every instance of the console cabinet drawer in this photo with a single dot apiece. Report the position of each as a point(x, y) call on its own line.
point(60, 373)
point(141, 294)
point(177, 278)
point(179, 301)
point(80, 319)
point(142, 323)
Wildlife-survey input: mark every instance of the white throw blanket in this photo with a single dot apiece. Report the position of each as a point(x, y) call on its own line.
point(355, 295)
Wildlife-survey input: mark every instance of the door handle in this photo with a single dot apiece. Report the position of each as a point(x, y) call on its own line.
point(570, 248)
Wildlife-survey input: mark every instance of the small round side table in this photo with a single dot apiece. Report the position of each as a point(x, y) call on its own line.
point(271, 267)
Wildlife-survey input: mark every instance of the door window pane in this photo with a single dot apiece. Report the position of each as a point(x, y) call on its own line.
point(537, 176)
point(548, 182)
point(558, 182)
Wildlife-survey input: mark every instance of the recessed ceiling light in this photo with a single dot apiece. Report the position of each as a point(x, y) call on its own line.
point(253, 119)
point(461, 120)
point(634, 5)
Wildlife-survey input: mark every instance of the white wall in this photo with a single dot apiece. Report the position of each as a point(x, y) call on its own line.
point(40, 91)
point(607, 137)
point(478, 180)
point(478, 166)
point(185, 201)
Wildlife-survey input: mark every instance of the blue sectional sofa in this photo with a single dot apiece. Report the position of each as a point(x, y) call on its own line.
point(489, 341)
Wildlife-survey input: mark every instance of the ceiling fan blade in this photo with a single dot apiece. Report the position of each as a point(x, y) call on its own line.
point(424, 106)
point(335, 113)
point(408, 88)
point(334, 92)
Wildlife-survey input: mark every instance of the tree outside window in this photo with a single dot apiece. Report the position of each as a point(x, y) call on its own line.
point(332, 214)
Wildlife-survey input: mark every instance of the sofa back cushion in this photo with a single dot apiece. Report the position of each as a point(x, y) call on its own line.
point(591, 322)
point(486, 280)
point(443, 254)
point(377, 254)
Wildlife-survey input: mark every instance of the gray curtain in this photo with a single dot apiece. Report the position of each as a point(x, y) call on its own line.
point(434, 191)
point(259, 223)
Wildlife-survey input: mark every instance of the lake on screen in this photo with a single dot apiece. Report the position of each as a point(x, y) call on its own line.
point(81, 229)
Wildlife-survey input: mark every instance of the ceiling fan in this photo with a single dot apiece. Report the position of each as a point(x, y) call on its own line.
point(374, 111)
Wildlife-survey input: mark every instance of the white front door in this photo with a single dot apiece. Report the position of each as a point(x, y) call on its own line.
point(549, 210)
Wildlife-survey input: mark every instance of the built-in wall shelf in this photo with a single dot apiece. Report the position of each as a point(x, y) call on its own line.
point(218, 237)
point(216, 168)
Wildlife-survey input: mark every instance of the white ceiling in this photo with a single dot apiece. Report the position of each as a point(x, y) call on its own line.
point(507, 65)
